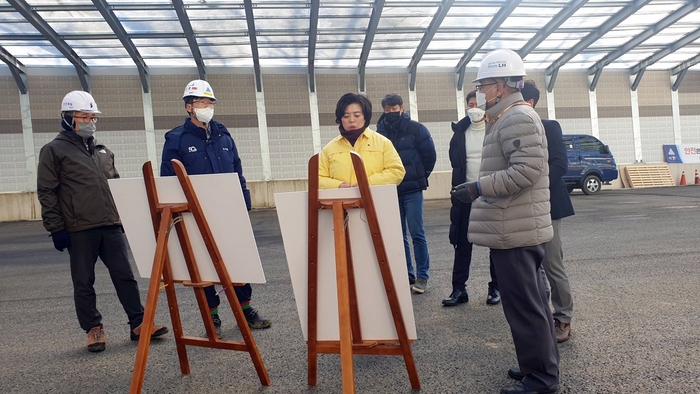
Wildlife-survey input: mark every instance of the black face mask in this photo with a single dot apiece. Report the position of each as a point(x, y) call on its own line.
point(392, 117)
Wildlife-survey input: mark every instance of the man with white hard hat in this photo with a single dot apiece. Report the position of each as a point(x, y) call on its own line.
point(205, 146)
point(510, 215)
point(78, 210)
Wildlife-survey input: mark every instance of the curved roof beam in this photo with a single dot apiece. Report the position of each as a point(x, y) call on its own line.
point(491, 28)
point(19, 72)
point(191, 40)
point(551, 26)
point(369, 38)
point(119, 30)
point(425, 41)
point(645, 35)
point(248, 5)
point(685, 40)
point(609, 24)
point(50, 34)
point(313, 36)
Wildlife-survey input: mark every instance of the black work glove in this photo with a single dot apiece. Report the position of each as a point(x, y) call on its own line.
point(61, 240)
point(466, 192)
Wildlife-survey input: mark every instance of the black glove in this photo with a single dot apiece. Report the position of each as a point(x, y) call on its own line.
point(61, 240)
point(466, 192)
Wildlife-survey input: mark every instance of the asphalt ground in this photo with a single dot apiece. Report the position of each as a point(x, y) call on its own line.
point(632, 258)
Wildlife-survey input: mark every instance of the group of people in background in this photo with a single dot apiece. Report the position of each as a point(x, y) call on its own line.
point(507, 194)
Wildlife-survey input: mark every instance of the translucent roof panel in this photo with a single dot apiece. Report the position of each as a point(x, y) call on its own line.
point(549, 33)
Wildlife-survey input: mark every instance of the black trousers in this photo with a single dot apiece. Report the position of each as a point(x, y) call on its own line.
point(109, 244)
point(527, 311)
point(463, 255)
point(243, 293)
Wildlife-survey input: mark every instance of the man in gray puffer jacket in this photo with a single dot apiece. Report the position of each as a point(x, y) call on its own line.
point(510, 215)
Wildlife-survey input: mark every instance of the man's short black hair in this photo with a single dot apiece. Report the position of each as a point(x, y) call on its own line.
point(471, 95)
point(353, 98)
point(530, 92)
point(391, 100)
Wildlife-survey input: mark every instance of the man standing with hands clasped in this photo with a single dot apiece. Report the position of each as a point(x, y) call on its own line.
point(510, 215)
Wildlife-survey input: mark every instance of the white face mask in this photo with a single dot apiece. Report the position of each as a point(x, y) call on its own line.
point(204, 115)
point(86, 130)
point(481, 98)
point(476, 114)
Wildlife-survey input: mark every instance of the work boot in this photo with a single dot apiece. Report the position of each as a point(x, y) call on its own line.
point(156, 332)
point(254, 320)
point(562, 331)
point(96, 339)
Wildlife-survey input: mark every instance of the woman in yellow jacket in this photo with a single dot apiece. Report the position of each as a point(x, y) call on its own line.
point(382, 163)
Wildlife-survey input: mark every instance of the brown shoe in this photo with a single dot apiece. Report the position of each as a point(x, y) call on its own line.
point(155, 332)
point(562, 331)
point(96, 339)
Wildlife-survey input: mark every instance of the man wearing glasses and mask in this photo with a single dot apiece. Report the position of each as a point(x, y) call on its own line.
point(510, 215)
point(78, 210)
point(205, 146)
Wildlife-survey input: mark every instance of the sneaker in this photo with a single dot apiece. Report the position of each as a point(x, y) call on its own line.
point(96, 339)
point(420, 285)
point(254, 320)
point(156, 332)
point(562, 331)
point(494, 297)
point(217, 324)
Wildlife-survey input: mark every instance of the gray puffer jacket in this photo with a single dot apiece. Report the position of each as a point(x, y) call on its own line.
point(513, 210)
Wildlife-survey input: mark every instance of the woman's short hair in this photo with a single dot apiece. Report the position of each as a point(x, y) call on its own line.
point(353, 98)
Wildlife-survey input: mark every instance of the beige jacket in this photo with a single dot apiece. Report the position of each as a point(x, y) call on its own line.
point(513, 210)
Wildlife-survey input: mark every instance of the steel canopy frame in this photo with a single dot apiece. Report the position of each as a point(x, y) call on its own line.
point(645, 35)
point(551, 26)
point(607, 26)
point(685, 40)
point(191, 40)
point(313, 37)
point(250, 19)
point(425, 41)
point(369, 38)
point(118, 29)
point(50, 34)
point(18, 70)
point(497, 20)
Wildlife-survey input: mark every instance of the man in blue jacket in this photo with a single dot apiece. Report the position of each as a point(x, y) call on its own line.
point(560, 201)
point(205, 146)
point(417, 151)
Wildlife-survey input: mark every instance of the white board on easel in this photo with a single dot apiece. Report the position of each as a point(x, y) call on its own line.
point(375, 314)
point(221, 199)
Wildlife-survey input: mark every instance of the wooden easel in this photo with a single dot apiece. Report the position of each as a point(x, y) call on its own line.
point(165, 216)
point(351, 341)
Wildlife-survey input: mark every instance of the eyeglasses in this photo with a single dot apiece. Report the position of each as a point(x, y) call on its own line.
point(479, 87)
point(87, 119)
point(205, 103)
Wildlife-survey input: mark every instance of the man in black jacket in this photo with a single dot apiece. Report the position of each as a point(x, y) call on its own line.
point(465, 158)
point(560, 201)
point(78, 210)
point(415, 146)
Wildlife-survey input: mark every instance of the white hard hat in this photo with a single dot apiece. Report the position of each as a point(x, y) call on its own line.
point(500, 63)
point(79, 101)
point(199, 88)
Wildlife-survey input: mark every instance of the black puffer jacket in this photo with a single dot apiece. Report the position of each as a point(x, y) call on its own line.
point(72, 184)
point(416, 148)
point(458, 161)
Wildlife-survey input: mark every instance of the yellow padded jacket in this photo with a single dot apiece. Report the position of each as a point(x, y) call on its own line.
point(382, 162)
